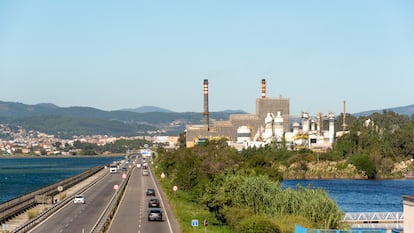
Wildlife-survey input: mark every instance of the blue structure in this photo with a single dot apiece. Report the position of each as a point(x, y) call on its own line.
point(300, 229)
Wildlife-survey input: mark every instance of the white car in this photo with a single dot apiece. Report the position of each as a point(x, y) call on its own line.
point(79, 199)
point(145, 172)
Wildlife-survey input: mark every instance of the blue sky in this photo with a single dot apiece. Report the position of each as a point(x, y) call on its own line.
point(126, 54)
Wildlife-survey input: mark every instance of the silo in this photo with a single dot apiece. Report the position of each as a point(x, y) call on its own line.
point(278, 126)
point(331, 117)
point(268, 132)
point(244, 134)
point(305, 122)
point(295, 128)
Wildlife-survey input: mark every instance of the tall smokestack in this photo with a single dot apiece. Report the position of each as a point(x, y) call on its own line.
point(263, 88)
point(344, 125)
point(206, 113)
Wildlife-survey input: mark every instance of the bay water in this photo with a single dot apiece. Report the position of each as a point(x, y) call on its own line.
point(19, 176)
point(362, 195)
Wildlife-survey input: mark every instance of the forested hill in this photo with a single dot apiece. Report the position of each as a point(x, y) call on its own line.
point(69, 121)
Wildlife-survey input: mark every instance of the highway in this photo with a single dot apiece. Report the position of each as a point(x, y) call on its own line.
point(130, 216)
point(82, 217)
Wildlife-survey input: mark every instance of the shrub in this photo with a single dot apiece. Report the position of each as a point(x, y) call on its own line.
point(258, 224)
point(32, 214)
point(364, 163)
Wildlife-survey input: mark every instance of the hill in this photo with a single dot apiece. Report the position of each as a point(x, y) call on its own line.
point(405, 110)
point(71, 121)
point(143, 109)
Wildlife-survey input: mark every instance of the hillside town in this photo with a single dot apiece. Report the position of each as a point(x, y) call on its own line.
point(30, 142)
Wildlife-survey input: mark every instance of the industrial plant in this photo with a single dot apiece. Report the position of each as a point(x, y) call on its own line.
point(270, 124)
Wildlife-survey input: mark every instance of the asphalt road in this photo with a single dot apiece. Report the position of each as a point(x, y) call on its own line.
point(81, 218)
point(131, 215)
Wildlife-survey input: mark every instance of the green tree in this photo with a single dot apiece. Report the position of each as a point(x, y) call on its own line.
point(365, 164)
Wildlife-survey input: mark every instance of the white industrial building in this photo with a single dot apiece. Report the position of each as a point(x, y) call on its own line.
point(308, 133)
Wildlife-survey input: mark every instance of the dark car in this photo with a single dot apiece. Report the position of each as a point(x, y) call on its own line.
point(150, 192)
point(154, 214)
point(154, 202)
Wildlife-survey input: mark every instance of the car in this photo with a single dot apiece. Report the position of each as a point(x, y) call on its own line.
point(79, 199)
point(145, 172)
point(154, 202)
point(150, 192)
point(154, 214)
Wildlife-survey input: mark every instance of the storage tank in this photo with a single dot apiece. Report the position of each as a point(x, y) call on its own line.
point(244, 134)
point(295, 128)
point(305, 122)
point(331, 117)
point(268, 133)
point(278, 126)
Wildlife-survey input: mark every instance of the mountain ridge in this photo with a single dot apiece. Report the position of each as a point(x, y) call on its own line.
point(50, 118)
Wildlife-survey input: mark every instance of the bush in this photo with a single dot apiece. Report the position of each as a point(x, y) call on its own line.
point(32, 214)
point(258, 224)
point(364, 163)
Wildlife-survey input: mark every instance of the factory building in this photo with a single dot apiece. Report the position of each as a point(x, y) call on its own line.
point(270, 124)
point(251, 122)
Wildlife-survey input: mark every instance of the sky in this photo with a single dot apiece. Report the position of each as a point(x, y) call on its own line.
point(114, 55)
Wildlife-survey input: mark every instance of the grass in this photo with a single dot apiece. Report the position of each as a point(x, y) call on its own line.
point(32, 214)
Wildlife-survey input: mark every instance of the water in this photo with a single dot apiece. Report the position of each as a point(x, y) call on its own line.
point(19, 176)
point(362, 195)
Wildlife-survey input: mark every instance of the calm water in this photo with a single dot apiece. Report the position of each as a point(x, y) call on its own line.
point(362, 195)
point(19, 176)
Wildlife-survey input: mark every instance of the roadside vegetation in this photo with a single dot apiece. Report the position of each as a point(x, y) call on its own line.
point(242, 192)
point(239, 192)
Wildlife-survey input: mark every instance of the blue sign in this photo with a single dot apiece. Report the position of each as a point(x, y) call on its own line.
point(194, 222)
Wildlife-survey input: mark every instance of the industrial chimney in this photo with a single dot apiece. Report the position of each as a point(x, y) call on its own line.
point(263, 88)
point(206, 113)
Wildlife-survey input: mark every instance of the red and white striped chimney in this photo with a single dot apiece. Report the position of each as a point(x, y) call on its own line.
point(263, 88)
point(206, 113)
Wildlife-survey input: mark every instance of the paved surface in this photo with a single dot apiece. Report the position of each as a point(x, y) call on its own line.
point(82, 217)
point(131, 215)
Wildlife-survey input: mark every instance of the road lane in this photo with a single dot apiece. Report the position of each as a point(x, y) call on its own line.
point(127, 217)
point(82, 217)
point(131, 215)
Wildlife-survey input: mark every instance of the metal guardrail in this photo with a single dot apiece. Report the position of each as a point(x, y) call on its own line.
point(43, 215)
point(18, 205)
point(374, 217)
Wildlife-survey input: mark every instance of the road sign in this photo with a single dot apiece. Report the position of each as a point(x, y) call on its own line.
point(194, 222)
point(205, 223)
point(175, 188)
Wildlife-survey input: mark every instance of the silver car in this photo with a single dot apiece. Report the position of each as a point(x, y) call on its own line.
point(154, 214)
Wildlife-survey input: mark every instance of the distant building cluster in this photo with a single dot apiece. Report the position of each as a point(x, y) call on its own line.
point(37, 143)
point(270, 124)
